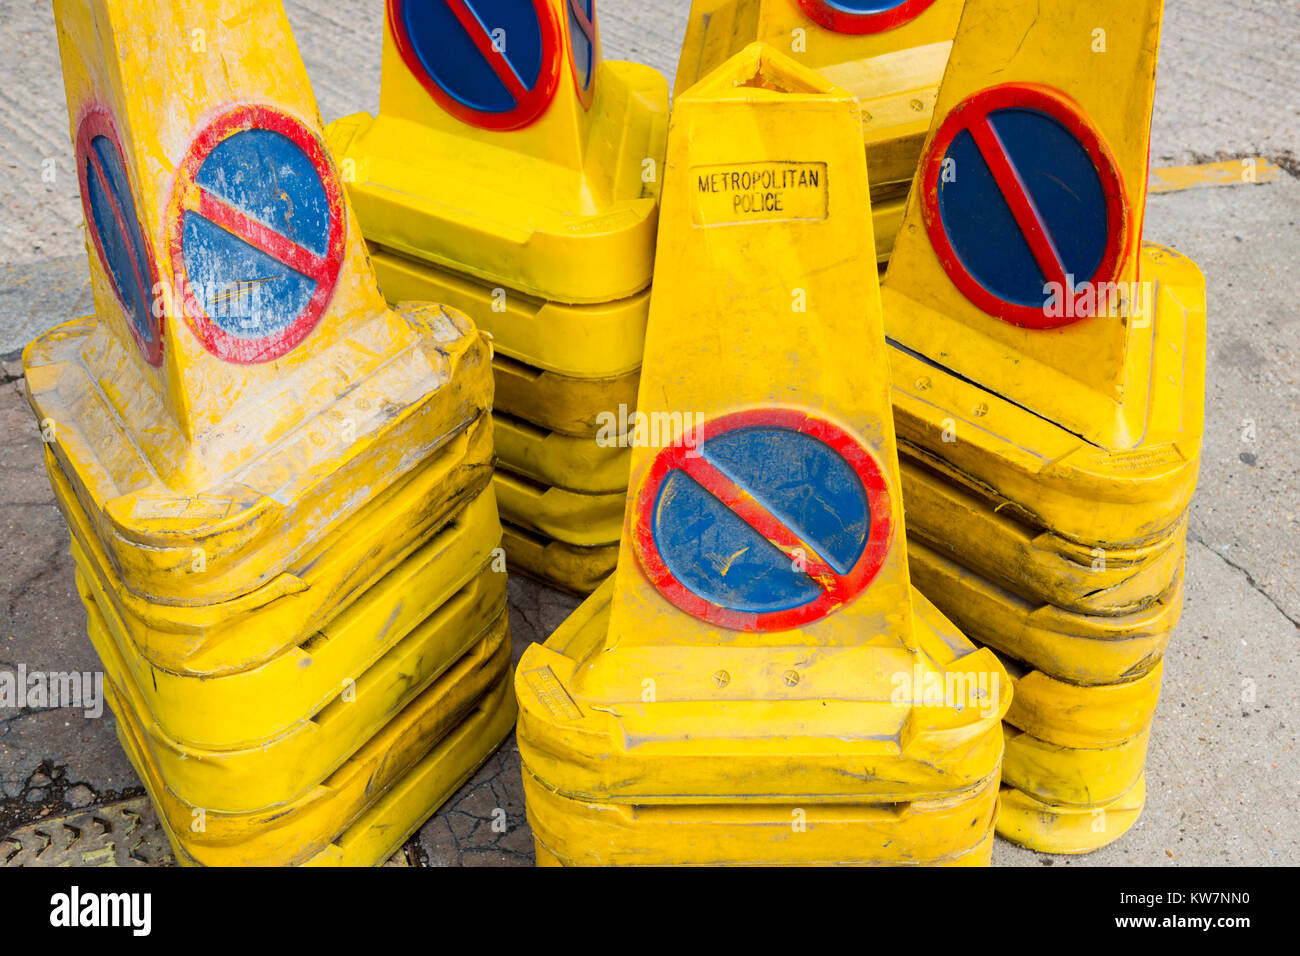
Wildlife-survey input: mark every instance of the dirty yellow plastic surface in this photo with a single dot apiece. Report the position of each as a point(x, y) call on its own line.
point(1077, 648)
point(238, 709)
point(278, 770)
point(580, 748)
point(441, 736)
point(1109, 496)
point(549, 458)
point(375, 836)
point(204, 456)
point(1106, 378)
point(220, 545)
point(1095, 717)
point(1035, 564)
point(381, 830)
point(562, 208)
point(1051, 829)
point(894, 72)
point(601, 341)
point(239, 635)
point(576, 407)
point(566, 369)
point(582, 520)
point(638, 700)
point(952, 830)
point(567, 567)
point(1073, 776)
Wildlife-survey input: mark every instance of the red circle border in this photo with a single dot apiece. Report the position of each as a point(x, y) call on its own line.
point(842, 21)
point(1069, 114)
point(98, 121)
point(849, 586)
point(231, 348)
point(526, 111)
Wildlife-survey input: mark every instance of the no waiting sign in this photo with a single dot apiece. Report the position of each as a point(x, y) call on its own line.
point(494, 64)
point(257, 234)
point(763, 520)
point(114, 228)
point(1022, 200)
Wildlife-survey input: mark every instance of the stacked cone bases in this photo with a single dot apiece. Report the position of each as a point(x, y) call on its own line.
point(1048, 372)
point(513, 174)
point(278, 489)
point(890, 56)
point(759, 682)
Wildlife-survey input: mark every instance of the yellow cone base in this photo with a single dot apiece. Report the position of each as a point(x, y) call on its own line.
point(584, 521)
point(576, 407)
point(1072, 776)
point(258, 522)
point(446, 198)
point(424, 739)
point(583, 465)
point(560, 367)
point(232, 709)
point(1070, 830)
point(1099, 716)
point(778, 749)
point(280, 769)
point(210, 639)
point(379, 832)
point(575, 570)
point(1035, 564)
point(577, 832)
point(401, 811)
point(586, 342)
point(1076, 648)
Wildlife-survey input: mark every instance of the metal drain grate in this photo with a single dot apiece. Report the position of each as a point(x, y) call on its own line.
point(121, 834)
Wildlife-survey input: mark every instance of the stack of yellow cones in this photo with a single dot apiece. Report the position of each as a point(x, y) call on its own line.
point(759, 682)
point(1048, 371)
point(278, 489)
point(513, 174)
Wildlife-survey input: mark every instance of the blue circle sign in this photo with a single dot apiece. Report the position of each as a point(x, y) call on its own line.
point(115, 231)
point(763, 520)
point(493, 64)
point(1023, 204)
point(257, 234)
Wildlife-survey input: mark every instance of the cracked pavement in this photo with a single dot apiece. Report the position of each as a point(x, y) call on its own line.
point(1224, 766)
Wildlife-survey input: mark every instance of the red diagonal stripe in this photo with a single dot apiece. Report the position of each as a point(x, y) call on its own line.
point(748, 509)
point(1020, 202)
point(120, 218)
point(262, 237)
point(580, 15)
point(496, 61)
